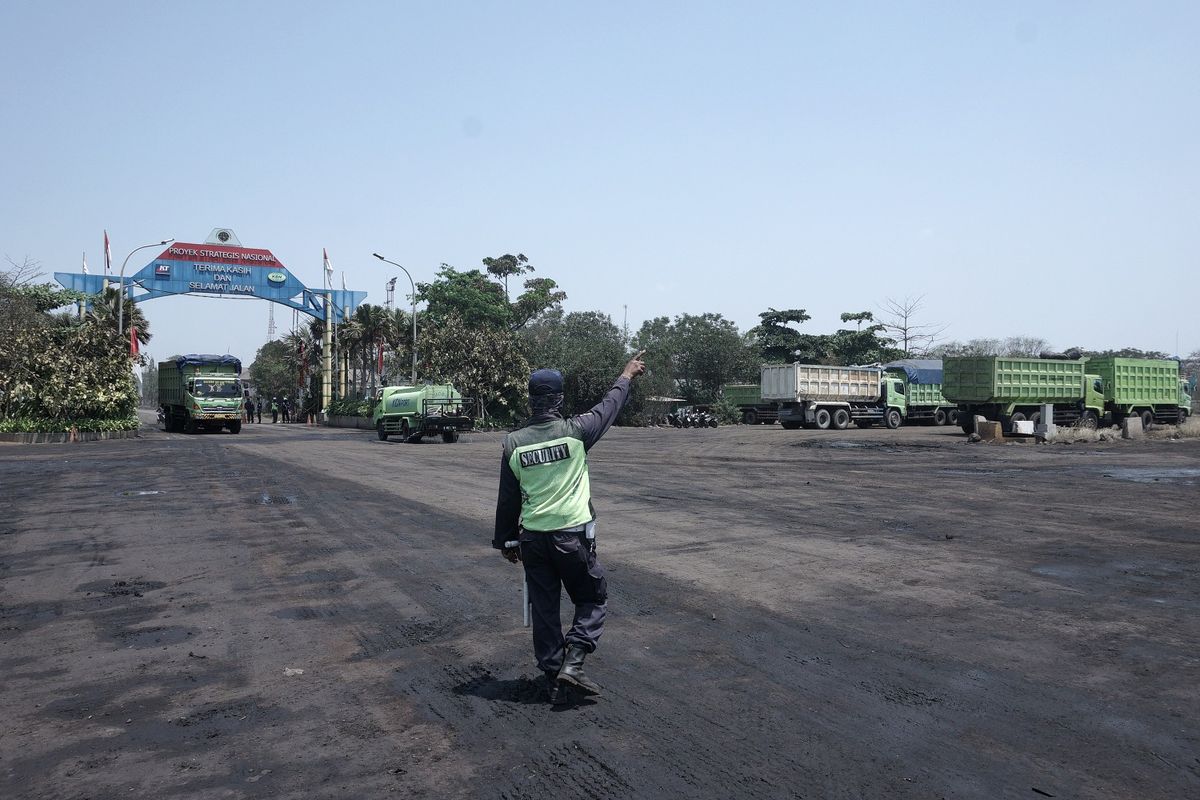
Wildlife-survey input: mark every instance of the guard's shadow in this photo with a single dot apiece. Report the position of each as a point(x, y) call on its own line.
point(522, 691)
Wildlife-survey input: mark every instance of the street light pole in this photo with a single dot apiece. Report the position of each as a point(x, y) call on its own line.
point(121, 285)
point(414, 313)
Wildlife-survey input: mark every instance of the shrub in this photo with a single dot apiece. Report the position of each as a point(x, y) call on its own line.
point(35, 425)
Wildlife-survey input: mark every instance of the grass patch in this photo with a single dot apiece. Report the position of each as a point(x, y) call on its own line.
point(1190, 429)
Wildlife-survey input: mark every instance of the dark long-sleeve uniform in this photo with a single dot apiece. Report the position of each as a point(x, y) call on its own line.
point(545, 503)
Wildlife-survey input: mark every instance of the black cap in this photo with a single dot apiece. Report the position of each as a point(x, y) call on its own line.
point(545, 381)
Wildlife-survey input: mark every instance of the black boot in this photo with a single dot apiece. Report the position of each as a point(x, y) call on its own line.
point(554, 689)
point(572, 671)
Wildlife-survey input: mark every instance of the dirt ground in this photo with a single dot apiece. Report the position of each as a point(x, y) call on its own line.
point(300, 612)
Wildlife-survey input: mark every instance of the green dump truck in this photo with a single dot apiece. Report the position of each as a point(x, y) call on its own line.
point(413, 412)
point(200, 392)
point(819, 396)
point(1141, 387)
point(1083, 392)
point(1013, 389)
point(747, 398)
point(923, 390)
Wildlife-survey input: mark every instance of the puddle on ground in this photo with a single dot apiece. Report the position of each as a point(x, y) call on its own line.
point(1188, 476)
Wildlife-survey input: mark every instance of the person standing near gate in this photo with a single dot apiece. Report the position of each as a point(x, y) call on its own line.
point(249, 407)
point(259, 409)
point(545, 504)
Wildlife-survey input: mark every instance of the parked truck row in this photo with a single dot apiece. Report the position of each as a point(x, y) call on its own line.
point(821, 397)
point(1085, 392)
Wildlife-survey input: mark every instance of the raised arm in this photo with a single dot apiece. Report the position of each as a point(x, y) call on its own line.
point(596, 422)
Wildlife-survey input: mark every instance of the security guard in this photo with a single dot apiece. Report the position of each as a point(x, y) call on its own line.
point(545, 503)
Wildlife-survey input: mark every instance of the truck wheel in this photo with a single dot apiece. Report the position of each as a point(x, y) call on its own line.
point(892, 419)
point(966, 422)
point(790, 426)
point(939, 417)
point(749, 418)
point(235, 427)
point(380, 432)
point(1180, 417)
point(1089, 421)
point(952, 416)
point(1036, 418)
point(449, 437)
point(822, 419)
point(841, 419)
point(1147, 420)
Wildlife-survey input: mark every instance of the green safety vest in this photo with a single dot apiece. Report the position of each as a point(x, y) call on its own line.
point(550, 463)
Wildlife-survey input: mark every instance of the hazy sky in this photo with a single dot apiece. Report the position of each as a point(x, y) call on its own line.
point(674, 157)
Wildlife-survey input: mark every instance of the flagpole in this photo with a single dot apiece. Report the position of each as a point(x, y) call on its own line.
point(327, 342)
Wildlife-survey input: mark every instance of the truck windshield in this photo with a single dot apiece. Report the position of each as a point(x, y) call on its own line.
point(200, 387)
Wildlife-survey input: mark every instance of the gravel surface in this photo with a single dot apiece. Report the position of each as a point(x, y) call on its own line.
point(302, 612)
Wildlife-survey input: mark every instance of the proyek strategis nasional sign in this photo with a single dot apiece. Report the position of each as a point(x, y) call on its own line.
point(220, 266)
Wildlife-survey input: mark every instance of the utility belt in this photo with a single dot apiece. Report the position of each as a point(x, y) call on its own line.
point(588, 529)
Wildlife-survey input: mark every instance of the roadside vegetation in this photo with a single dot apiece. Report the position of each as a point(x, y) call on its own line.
point(60, 369)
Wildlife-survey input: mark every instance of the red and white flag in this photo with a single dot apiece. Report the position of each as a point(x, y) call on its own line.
point(133, 342)
point(107, 254)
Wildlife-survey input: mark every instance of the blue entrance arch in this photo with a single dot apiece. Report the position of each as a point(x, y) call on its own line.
point(219, 269)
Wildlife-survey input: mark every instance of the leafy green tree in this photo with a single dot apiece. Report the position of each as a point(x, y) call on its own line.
point(52, 368)
point(275, 371)
point(469, 295)
point(67, 372)
point(483, 363)
point(501, 267)
point(584, 345)
point(697, 354)
point(775, 338)
point(476, 298)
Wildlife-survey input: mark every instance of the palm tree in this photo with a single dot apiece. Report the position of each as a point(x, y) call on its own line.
point(102, 310)
point(349, 336)
point(372, 322)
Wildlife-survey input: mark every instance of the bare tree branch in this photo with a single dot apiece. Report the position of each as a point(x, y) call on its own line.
point(899, 321)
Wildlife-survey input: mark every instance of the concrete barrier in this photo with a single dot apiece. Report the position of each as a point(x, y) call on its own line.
point(62, 438)
point(989, 431)
point(1131, 428)
point(350, 422)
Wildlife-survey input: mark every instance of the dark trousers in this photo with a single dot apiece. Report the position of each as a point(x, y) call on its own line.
point(554, 561)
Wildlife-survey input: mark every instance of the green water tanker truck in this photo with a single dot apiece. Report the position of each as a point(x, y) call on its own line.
point(200, 392)
point(413, 412)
